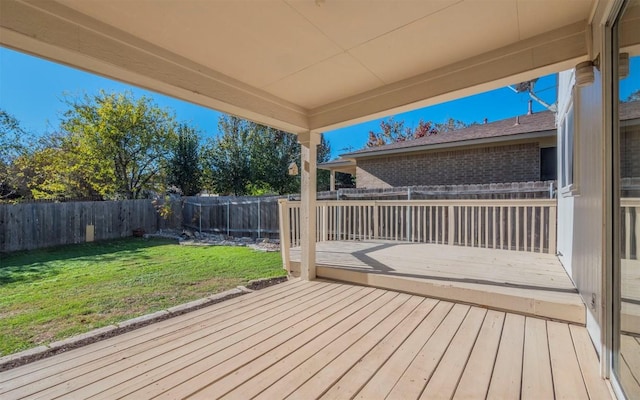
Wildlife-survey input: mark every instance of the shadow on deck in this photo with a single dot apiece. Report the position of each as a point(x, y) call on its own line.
point(521, 282)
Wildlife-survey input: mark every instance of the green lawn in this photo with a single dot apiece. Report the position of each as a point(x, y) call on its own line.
point(50, 294)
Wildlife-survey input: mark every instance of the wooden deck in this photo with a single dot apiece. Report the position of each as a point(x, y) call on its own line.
point(327, 340)
point(522, 282)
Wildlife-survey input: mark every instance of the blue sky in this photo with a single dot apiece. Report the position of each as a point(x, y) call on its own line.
point(32, 89)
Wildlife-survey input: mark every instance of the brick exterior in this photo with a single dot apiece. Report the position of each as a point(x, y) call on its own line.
point(497, 164)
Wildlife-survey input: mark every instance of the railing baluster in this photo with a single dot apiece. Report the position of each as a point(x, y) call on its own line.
point(509, 230)
point(505, 224)
point(473, 227)
point(525, 230)
point(517, 228)
point(552, 229)
point(541, 237)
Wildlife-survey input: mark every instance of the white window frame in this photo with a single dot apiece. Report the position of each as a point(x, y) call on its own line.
point(568, 175)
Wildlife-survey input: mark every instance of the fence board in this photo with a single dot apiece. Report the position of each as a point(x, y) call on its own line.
point(29, 226)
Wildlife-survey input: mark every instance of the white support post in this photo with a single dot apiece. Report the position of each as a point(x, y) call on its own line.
point(308, 153)
point(332, 184)
point(284, 222)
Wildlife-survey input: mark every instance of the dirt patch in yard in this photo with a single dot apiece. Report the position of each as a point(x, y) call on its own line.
point(263, 283)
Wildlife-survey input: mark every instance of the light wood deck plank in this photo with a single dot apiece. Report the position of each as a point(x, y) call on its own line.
point(567, 377)
point(412, 382)
point(310, 367)
point(257, 358)
point(351, 382)
point(334, 341)
point(507, 371)
point(79, 356)
point(327, 376)
point(630, 357)
point(589, 363)
point(263, 380)
point(445, 378)
point(386, 377)
point(632, 386)
point(334, 322)
point(475, 379)
point(113, 350)
point(160, 376)
point(537, 382)
point(180, 350)
point(523, 282)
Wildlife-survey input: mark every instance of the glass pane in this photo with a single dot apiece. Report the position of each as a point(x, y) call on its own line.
point(626, 365)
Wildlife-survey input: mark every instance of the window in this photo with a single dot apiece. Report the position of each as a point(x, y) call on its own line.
point(567, 132)
point(548, 164)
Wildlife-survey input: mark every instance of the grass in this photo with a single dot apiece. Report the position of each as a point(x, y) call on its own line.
point(47, 295)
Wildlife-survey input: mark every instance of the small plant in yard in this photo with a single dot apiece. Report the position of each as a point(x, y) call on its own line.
point(47, 295)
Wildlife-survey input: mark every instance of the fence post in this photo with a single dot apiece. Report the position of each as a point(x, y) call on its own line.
point(228, 215)
point(259, 218)
point(200, 218)
point(285, 234)
point(450, 225)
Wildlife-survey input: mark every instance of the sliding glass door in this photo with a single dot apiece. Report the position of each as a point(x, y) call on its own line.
point(626, 107)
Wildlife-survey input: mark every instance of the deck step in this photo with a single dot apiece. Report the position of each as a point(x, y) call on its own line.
point(560, 306)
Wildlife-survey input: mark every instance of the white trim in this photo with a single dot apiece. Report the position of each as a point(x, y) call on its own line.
point(570, 109)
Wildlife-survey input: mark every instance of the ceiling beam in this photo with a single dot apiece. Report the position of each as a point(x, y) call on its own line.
point(551, 52)
point(58, 33)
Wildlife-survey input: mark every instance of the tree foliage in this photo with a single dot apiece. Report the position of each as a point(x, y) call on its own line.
point(392, 131)
point(118, 144)
point(227, 157)
point(251, 159)
point(183, 170)
point(12, 146)
point(635, 96)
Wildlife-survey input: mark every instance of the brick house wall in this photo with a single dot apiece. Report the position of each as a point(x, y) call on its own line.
point(496, 164)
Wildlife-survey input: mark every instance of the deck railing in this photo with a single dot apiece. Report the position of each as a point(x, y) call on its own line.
point(630, 221)
point(521, 225)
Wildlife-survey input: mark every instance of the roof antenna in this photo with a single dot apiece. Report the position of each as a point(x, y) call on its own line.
point(517, 121)
point(527, 86)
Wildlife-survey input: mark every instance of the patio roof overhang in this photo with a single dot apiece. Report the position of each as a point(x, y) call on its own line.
point(345, 166)
point(305, 65)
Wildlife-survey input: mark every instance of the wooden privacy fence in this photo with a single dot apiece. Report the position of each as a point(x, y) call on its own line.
point(522, 225)
point(30, 226)
point(232, 216)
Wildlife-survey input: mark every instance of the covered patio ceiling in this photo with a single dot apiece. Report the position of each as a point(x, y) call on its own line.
point(306, 65)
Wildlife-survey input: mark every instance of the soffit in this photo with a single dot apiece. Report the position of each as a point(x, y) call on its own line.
point(301, 55)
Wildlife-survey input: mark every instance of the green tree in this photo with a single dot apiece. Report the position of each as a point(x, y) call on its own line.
point(183, 170)
point(272, 151)
point(324, 155)
point(251, 159)
point(12, 146)
point(227, 158)
point(51, 169)
point(118, 144)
